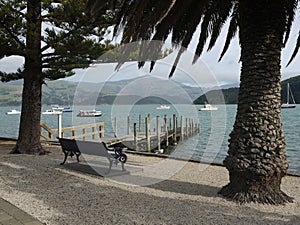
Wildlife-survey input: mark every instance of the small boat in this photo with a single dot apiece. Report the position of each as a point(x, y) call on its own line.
point(13, 112)
point(208, 107)
point(163, 107)
point(67, 109)
point(89, 113)
point(289, 96)
point(51, 112)
point(57, 108)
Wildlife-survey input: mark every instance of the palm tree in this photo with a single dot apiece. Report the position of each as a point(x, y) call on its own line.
point(256, 158)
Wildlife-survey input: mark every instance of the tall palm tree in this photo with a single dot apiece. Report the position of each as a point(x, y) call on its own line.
point(256, 158)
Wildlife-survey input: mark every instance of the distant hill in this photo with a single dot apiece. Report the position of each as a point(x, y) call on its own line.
point(227, 96)
point(10, 94)
point(294, 86)
point(62, 92)
point(231, 94)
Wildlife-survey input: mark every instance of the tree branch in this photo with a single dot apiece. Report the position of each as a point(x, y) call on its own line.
point(22, 45)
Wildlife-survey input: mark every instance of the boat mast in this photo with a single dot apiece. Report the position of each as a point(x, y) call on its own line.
point(293, 100)
point(288, 93)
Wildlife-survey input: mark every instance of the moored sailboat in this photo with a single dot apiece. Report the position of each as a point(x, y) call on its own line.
point(289, 97)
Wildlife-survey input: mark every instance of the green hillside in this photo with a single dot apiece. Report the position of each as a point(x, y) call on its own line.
point(10, 94)
point(227, 96)
point(294, 86)
point(62, 92)
point(231, 94)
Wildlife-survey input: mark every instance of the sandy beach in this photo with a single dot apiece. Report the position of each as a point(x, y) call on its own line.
point(156, 191)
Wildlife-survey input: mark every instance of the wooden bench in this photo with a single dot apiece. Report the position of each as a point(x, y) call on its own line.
point(71, 147)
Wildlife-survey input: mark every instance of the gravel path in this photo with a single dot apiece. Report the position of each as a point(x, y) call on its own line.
point(154, 193)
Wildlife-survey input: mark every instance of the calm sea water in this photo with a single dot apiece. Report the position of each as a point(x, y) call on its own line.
point(209, 146)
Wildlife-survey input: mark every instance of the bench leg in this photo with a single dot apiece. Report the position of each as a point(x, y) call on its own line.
point(123, 168)
point(65, 159)
point(110, 165)
point(77, 156)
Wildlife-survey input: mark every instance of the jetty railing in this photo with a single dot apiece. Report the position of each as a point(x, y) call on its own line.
point(94, 131)
point(139, 135)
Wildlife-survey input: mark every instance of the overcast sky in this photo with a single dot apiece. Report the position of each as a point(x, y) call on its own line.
point(224, 72)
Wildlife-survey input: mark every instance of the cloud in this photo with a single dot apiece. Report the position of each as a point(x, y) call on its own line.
point(11, 64)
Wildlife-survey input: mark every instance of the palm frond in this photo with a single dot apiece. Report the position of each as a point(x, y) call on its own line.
point(290, 8)
point(232, 29)
point(135, 18)
point(206, 28)
point(181, 50)
point(187, 21)
point(165, 26)
point(157, 19)
point(188, 28)
point(295, 50)
point(121, 17)
point(223, 11)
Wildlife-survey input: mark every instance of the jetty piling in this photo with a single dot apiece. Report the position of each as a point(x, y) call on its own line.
point(161, 135)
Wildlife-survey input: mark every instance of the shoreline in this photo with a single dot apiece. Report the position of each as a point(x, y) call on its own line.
point(147, 154)
point(58, 195)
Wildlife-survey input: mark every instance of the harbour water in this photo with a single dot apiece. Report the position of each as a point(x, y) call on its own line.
point(210, 145)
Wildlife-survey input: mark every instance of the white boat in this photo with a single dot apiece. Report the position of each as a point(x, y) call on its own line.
point(51, 112)
point(208, 107)
point(289, 96)
point(67, 109)
point(61, 108)
point(89, 113)
point(57, 107)
point(163, 107)
point(13, 112)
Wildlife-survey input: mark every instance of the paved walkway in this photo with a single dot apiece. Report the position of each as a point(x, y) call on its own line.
point(12, 215)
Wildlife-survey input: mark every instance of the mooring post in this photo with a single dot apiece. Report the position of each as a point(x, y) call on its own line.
point(158, 131)
point(148, 133)
point(181, 128)
point(115, 126)
point(134, 136)
point(175, 128)
point(166, 130)
point(193, 127)
point(140, 123)
point(186, 128)
point(165, 123)
point(128, 125)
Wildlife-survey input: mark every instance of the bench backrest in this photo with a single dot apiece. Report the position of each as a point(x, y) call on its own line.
point(92, 148)
point(68, 144)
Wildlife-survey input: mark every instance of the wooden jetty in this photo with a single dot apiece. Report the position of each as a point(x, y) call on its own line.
point(139, 137)
point(167, 131)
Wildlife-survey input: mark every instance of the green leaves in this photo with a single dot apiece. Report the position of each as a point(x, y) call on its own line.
point(70, 37)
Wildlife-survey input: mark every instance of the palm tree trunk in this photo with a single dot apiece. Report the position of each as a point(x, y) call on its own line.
point(256, 158)
point(29, 131)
